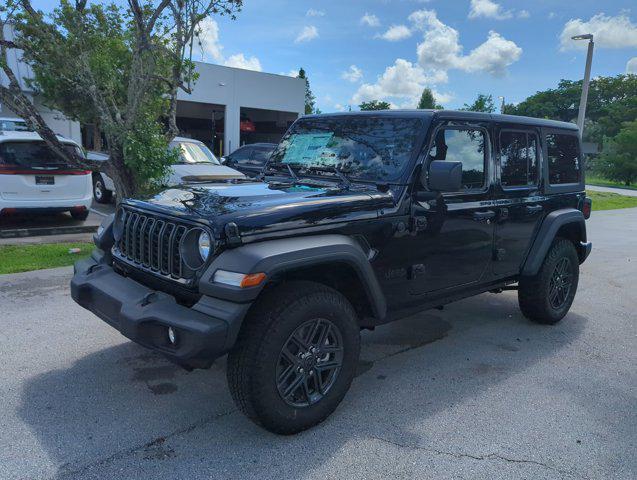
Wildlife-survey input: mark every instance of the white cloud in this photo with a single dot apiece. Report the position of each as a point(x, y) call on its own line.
point(240, 61)
point(370, 20)
point(631, 66)
point(488, 9)
point(314, 13)
point(441, 50)
point(352, 74)
point(309, 32)
point(608, 32)
point(396, 33)
point(339, 107)
point(401, 84)
point(524, 14)
point(211, 48)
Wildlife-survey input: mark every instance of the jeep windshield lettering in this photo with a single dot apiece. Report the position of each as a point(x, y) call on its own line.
point(374, 148)
point(281, 276)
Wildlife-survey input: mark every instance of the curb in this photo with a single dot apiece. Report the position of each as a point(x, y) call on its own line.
point(46, 231)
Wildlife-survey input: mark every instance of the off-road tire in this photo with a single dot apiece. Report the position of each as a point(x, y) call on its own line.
point(100, 193)
point(252, 363)
point(534, 292)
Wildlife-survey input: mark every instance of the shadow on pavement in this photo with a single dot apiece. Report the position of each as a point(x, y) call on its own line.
point(128, 408)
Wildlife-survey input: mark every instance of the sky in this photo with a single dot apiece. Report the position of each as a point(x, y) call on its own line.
point(360, 50)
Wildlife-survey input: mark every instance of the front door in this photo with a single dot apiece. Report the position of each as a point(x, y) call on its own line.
point(520, 205)
point(453, 247)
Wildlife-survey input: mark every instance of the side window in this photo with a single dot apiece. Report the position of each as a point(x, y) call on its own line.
point(259, 157)
point(242, 156)
point(518, 159)
point(466, 146)
point(563, 157)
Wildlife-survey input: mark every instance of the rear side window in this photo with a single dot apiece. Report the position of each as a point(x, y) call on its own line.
point(564, 160)
point(260, 156)
point(466, 146)
point(518, 159)
point(242, 156)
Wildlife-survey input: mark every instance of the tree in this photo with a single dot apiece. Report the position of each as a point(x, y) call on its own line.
point(618, 160)
point(612, 101)
point(427, 101)
point(117, 66)
point(374, 105)
point(310, 99)
point(483, 103)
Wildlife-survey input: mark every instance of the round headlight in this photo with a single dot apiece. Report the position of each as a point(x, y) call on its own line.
point(204, 245)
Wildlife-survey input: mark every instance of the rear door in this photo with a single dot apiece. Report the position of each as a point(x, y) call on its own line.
point(31, 171)
point(520, 203)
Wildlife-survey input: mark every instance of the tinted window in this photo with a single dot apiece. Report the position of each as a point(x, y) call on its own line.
point(241, 156)
point(261, 155)
point(466, 146)
point(563, 158)
point(518, 159)
point(30, 154)
point(375, 148)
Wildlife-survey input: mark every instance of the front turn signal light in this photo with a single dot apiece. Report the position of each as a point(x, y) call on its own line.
point(241, 280)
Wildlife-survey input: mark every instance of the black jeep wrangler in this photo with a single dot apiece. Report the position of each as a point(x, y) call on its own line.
point(358, 219)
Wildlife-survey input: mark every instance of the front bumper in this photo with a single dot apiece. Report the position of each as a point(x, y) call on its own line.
point(205, 331)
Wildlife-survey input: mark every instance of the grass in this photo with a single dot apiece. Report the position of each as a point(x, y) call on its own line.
point(24, 258)
point(603, 182)
point(610, 201)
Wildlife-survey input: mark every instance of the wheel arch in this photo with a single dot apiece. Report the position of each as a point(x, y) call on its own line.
point(333, 260)
point(566, 223)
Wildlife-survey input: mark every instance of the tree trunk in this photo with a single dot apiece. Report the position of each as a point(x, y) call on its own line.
point(97, 136)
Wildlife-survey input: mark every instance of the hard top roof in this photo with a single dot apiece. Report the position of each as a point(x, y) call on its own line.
point(457, 115)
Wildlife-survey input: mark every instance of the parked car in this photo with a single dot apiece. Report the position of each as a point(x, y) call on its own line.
point(196, 164)
point(363, 218)
point(34, 179)
point(250, 159)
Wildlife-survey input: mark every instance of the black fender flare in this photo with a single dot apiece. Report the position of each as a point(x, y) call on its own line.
point(277, 256)
point(547, 233)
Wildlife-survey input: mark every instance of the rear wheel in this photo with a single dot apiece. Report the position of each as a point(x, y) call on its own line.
point(100, 193)
point(547, 296)
point(295, 357)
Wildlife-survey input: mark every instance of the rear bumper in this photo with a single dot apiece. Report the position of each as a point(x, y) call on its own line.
point(45, 205)
point(204, 331)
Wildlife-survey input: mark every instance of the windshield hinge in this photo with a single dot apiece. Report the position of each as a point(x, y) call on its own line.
point(232, 234)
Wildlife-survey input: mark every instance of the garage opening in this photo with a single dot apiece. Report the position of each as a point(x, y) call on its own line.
point(204, 122)
point(263, 126)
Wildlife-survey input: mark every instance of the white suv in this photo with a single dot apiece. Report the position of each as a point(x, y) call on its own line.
point(196, 164)
point(33, 179)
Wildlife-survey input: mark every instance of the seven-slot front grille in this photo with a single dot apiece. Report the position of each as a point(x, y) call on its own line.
point(153, 242)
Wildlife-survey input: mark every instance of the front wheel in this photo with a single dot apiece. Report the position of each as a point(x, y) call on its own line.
point(295, 357)
point(547, 296)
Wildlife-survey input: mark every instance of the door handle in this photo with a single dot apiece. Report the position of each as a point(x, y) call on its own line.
point(484, 216)
point(534, 208)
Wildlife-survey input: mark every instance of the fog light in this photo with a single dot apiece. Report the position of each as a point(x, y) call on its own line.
point(172, 336)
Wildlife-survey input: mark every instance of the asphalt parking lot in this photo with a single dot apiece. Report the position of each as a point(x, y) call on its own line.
point(474, 391)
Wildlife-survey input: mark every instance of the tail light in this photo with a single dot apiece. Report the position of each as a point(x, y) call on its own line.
point(587, 207)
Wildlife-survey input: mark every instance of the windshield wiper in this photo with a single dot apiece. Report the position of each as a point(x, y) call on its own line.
point(346, 182)
point(276, 167)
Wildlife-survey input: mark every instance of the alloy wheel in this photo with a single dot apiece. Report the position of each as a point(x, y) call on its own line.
point(560, 283)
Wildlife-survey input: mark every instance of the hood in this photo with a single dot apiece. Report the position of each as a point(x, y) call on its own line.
point(262, 208)
point(201, 172)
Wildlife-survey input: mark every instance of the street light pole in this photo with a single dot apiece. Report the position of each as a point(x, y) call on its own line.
point(587, 79)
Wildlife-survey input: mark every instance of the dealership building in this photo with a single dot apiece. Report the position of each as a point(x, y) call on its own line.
point(228, 107)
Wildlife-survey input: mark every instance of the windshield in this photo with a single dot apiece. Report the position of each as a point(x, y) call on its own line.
point(33, 154)
point(363, 147)
point(191, 152)
point(13, 126)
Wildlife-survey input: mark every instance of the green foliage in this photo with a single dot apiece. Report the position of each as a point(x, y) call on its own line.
point(610, 201)
point(375, 105)
point(483, 103)
point(611, 102)
point(310, 99)
point(146, 153)
point(427, 101)
point(618, 160)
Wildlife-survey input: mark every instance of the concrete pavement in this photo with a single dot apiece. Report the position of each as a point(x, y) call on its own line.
point(474, 391)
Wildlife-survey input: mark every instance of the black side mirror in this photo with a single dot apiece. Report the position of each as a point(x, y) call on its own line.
point(444, 176)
